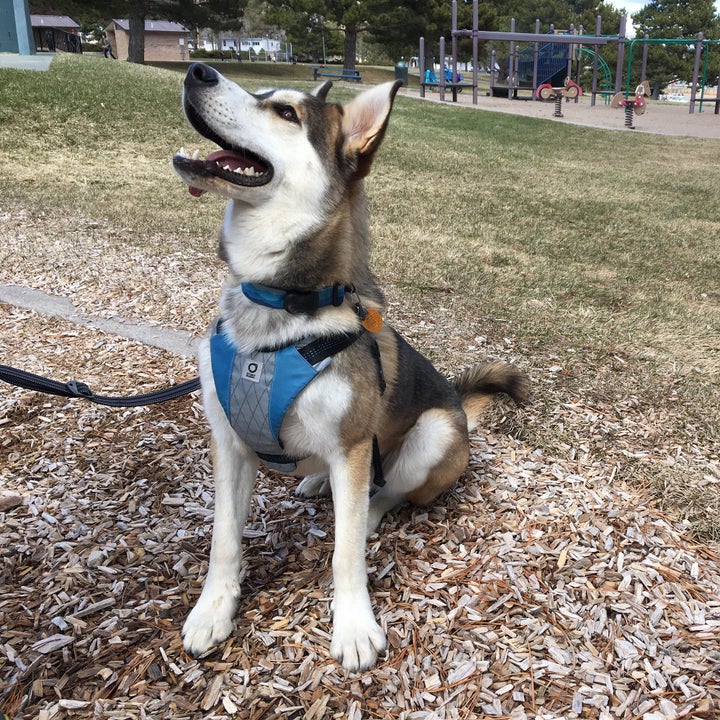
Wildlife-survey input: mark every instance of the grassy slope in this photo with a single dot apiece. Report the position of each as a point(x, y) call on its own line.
point(591, 251)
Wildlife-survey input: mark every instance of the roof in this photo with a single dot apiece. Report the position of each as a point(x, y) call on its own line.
point(154, 26)
point(57, 21)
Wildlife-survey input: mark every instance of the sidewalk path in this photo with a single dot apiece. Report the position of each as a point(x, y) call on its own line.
point(174, 341)
point(39, 61)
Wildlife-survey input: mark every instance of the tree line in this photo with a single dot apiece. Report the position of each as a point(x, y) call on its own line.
point(321, 30)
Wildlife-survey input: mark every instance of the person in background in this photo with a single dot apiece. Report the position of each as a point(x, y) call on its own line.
point(106, 46)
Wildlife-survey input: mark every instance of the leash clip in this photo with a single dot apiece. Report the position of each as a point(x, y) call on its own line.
point(359, 309)
point(79, 389)
point(370, 318)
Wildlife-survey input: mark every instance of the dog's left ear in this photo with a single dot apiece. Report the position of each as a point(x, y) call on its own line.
point(364, 122)
point(321, 91)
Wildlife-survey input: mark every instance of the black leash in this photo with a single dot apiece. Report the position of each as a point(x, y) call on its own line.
point(74, 389)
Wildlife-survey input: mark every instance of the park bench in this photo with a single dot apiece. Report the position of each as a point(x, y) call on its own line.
point(343, 74)
point(453, 87)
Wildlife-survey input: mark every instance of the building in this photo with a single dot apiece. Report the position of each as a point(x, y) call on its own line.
point(55, 32)
point(255, 48)
point(261, 47)
point(164, 41)
point(16, 35)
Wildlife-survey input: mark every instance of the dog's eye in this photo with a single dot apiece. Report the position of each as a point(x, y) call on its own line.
point(287, 112)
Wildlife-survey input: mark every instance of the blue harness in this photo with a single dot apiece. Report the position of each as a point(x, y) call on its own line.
point(256, 389)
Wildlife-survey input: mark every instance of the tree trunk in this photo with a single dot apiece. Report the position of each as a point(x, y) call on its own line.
point(429, 59)
point(136, 45)
point(350, 47)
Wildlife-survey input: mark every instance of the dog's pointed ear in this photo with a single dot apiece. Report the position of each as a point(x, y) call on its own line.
point(321, 91)
point(365, 119)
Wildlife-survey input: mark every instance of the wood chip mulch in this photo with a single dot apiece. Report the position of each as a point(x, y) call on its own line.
point(540, 587)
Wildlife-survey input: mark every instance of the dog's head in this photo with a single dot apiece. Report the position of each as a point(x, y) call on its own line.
point(278, 141)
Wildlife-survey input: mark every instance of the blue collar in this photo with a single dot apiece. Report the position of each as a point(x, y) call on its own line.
point(296, 302)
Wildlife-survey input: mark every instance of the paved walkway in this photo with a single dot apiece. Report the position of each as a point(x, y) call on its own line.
point(39, 61)
point(174, 341)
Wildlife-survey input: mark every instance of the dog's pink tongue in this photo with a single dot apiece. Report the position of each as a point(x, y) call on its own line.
point(217, 156)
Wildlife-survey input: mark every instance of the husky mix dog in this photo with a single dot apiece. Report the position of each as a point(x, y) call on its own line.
point(299, 372)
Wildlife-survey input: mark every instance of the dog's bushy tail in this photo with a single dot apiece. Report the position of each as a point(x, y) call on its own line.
point(478, 384)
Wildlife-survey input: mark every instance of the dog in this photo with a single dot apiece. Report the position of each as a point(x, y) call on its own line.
point(371, 420)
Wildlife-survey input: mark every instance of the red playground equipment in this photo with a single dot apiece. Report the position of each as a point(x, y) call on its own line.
point(569, 90)
point(633, 105)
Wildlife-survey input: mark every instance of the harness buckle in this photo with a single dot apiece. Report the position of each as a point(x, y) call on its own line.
point(301, 303)
point(337, 296)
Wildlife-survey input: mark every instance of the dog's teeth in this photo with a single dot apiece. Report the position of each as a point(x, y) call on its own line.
point(196, 154)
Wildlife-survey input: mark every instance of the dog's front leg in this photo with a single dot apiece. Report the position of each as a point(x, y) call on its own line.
point(357, 638)
point(211, 620)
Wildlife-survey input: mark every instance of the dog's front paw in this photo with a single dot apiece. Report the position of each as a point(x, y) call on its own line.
point(356, 640)
point(209, 623)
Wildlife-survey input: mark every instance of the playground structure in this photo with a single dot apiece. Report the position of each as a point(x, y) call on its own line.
point(548, 58)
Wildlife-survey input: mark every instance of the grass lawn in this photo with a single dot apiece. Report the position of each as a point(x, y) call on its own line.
point(570, 573)
point(552, 238)
point(269, 73)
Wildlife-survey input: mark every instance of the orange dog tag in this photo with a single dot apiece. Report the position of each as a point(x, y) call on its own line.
point(372, 321)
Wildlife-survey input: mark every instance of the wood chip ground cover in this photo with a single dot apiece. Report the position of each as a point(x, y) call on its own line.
point(545, 585)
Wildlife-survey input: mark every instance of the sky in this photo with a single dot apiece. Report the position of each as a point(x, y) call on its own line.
point(633, 7)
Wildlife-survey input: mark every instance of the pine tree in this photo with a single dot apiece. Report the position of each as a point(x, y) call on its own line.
point(673, 19)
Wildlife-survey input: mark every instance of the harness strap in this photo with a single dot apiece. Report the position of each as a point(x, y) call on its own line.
point(378, 474)
point(75, 389)
point(325, 347)
point(375, 350)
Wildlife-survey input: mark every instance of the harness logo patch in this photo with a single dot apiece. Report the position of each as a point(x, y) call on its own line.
point(252, 370)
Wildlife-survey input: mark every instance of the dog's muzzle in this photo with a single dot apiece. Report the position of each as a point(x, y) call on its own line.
point(232, 164)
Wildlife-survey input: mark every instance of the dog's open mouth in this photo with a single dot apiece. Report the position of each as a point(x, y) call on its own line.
point(239, 167)
point(235, 165)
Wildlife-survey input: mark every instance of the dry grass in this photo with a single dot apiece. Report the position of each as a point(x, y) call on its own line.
point(571, 573)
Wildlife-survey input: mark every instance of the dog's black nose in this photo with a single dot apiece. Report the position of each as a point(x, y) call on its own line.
point(200, 73)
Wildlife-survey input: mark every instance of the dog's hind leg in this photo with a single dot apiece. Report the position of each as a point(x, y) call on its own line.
point(211, 620)
point(431, 457)
point(357, 638)
point(316, 485)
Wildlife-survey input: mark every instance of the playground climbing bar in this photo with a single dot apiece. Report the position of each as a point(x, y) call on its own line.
point(700, 45)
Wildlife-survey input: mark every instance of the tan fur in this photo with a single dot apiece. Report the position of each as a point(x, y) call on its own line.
point(358, 459)
point(445, 474)
point(475, 406)
point(367, 402)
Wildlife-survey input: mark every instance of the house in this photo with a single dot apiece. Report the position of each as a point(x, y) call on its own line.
point(164, 41)
point(251, 48)
point(261, 47)
point(55, 32)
